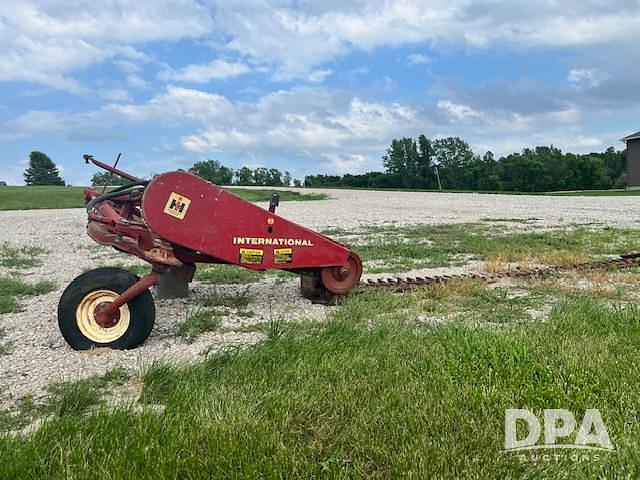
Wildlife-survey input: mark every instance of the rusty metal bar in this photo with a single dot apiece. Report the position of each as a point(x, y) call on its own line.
point(103, 314)
point(109, 168)
point(400, 284)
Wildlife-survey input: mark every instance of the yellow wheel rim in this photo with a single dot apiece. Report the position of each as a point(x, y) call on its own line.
point(87, 322)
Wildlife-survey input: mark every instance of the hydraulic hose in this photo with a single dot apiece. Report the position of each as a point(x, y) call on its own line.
point(116, 192)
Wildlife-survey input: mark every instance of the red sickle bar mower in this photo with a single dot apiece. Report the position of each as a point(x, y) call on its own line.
point(173, 222)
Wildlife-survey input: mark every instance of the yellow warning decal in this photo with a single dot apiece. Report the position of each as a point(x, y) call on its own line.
point(282, 255)
point(251, 255)
point(177, 205)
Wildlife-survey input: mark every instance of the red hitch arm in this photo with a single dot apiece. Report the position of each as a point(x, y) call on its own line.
point(109, 168)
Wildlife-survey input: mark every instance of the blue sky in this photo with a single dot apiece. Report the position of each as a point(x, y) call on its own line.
point(308, 86)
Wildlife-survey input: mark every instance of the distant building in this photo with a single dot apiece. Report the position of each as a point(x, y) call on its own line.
point(633, 160)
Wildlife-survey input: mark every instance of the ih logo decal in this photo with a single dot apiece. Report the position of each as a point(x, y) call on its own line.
point(177, 205)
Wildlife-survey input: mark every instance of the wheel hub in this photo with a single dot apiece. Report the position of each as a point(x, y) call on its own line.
point(97, 327)
point(104, 320)
point(342, 279)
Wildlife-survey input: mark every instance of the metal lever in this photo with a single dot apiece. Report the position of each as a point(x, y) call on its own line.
point(275, 201)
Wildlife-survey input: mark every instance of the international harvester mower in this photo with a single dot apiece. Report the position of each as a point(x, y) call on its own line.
point(173, 222)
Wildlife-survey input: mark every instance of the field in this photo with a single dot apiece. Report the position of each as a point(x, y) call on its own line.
point(571, 193)
point(247, 379)
point(39, 197)
point(598, 193)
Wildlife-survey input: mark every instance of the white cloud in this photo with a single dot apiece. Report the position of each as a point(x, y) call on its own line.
point(349, 163)
point(127, 66)
point(318, 76)
point(176, 105)
point(327, 128)
point(204, 73)
point(418, 59)
point(136, 81)
point(587, 77)
point(48, 41)
point(114, 94)
point(458, 111)
point(294, 40)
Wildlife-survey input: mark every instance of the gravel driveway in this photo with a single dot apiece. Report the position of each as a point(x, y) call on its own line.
point(38, 355)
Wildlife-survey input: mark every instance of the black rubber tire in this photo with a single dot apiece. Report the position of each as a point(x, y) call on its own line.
point(141, 308)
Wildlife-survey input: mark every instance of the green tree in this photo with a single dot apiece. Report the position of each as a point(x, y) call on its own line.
point(213, 171)
point(286, 179)
point(42, 171)
point(402, 160)
point(456, 163)
point(275, 177)
point(99, 179)
point(261, 176)
point(244, 176)
point(425, 167)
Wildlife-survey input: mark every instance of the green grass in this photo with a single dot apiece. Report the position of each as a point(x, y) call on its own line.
point(225, 274)
point(37, 197)
point(4, 348)
point(64, 400)
point(363, 400)
point(207, 317)
point(199, 321)
point(392, 249)
point(238, 299)
point(11, 289)
point(20, 257)
point(264, 195)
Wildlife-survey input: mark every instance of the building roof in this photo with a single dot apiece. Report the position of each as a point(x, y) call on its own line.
point(634, 136)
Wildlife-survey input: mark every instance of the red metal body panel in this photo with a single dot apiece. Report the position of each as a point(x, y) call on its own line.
point(186, 210)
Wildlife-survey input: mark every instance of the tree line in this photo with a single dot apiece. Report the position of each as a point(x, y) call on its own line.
point(445, 163)
point(450, 164)
point(218, 174)
point(41, 170)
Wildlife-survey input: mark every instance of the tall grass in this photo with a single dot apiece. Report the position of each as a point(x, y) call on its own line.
point(424, 246)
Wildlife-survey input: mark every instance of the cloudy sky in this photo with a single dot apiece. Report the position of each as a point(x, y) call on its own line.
point(308, 86)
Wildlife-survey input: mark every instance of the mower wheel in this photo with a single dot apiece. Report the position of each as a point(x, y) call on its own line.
point(132, 324)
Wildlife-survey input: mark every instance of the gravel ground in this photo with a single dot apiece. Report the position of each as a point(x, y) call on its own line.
point(39, 356)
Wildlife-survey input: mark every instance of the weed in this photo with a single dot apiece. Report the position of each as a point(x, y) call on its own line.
point(72, 399)
point(274, 329)
point(4, 348)
point(226, 274)
point(117, 376)
point(20, 257)
point(237, 299)
point(157, 382)
point(12, 288)
point(64, 400)
point(199, 321)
